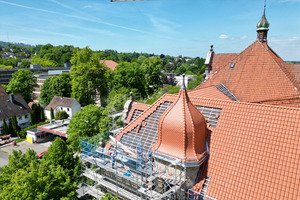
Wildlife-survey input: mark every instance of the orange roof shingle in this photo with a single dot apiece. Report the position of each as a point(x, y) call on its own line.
point(109, 63)
point(259, 76)
point(254, 149)
point(136, 109)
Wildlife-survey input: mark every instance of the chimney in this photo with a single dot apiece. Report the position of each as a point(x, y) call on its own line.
point(12, 98)
point(208, 61)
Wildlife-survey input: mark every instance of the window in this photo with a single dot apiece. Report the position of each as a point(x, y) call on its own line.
point(26, 116)
point(61, 108)
point(20, 118)
point(68, 109)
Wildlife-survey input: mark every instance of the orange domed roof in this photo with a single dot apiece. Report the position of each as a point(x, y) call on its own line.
point(182, 131)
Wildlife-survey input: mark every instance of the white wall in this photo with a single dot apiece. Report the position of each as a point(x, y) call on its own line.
point(23, 122)
point(69, 110)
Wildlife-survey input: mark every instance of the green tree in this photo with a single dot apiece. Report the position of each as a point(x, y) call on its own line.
point(61, 115)
point(195, 82)
point(26, 178)
point(83, 124)
point(43, 118)
point(88, 77)
point(33, 118)
point(61, 154)
point(130, 76)
point(152, 68)
point(108, 196)
point(43, 62)
point(15, 125)
point(51, 113)
point(22, 82)
point(25, 64)
point(56, 86)
point(5, 128)
point(10, 127)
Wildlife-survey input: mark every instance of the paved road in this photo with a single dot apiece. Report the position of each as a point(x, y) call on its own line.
point(7, 149)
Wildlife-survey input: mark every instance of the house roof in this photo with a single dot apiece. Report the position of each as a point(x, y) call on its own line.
point(2, 91)
point(254, 148)
point(8, 109)
point(60, 101)
point(31, 103)
point(211, 92)
point(259, 75)
point(221, 59)
point(110, 64)
point(136, 110)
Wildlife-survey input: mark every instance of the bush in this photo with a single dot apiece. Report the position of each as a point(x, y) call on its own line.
point(61, 115)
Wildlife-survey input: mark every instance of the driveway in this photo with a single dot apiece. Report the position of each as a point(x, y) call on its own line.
point(7, 149)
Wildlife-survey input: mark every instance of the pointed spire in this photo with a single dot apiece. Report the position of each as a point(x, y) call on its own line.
point(183, 83)
point(263, 27)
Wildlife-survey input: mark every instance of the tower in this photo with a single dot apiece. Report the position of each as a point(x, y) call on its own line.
point(262, 27)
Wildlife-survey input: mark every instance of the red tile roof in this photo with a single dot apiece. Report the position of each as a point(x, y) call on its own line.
point(254, 149)
point(31, 103)
point(208, 92)
point(109, 63)
point(136, 109)
point(221, 59)
point(259, 76)
point(2, 91)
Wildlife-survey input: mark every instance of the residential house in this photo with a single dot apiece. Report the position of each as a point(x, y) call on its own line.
point(70, 105)
point(14, 105)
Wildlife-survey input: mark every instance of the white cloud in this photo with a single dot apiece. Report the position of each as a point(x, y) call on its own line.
point(244, 37)
point(163, 25)
point(223, 36)
point(95, 20)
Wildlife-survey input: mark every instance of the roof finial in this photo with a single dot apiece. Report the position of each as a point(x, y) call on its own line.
point(183, 83)
point(263, 26)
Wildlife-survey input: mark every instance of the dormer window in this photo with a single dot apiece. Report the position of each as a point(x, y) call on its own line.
point(232, 65)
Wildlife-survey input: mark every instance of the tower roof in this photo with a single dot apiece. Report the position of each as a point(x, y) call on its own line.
point(263, 24)
point(182, 131)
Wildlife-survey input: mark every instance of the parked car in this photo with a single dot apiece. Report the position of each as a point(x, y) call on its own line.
point(42, 154)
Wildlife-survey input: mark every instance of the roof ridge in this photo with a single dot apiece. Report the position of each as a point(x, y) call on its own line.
point(239, 54)
point(285, 72)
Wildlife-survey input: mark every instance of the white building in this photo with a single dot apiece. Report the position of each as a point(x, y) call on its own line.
point(70, 105)
point(14, 105)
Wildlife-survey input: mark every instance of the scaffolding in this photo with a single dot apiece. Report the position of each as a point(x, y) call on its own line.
point(115, 107)
point(129, 173)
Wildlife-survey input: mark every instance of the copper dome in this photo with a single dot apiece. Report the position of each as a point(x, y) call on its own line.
point(182, 131)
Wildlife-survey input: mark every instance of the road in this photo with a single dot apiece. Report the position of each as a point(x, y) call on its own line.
point(7, 149)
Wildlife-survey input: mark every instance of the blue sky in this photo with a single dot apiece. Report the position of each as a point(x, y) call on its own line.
point(174, 27)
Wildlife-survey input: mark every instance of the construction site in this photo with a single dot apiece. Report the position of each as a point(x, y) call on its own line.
point(133, 175)
point(138, 166)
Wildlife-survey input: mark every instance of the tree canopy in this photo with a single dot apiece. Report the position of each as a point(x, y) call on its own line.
point(88, 76)
point(54, 177)
point(84, 123)
point(55, 86)
point(22, 82)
